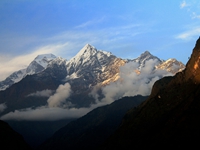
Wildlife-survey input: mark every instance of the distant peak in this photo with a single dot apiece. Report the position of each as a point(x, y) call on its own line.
point(86, 50)
point(146, 53)
point(89, 46)
point(47, 56)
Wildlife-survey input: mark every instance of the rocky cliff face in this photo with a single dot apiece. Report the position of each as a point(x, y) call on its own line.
point(192, 71)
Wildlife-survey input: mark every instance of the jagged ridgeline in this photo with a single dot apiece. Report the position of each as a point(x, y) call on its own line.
point(169, 118)
point(54, 89)
point(89, 69)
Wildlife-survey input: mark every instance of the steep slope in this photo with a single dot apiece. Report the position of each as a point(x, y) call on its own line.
point(37, 65)
point(92, 129)
point(90, 67)
point(95, 65)
point(11, 139)
point(169, 118)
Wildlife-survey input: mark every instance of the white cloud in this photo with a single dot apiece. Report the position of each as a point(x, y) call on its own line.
point(43, 93)
point(195, 16)
point(183, 4)
point(59, 98)
point(2, 107)
point(131, 83)
point(55, 110)
point(189, 34)
point(45, 113)
point(90, 23)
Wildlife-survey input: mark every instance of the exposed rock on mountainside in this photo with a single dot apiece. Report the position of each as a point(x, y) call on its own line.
point(169, 118)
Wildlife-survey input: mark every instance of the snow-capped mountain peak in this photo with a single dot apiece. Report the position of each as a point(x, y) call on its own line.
point(171, 65)
point(86, 52)
point(37, 65)
point(144, 57)
point(106, 53)
point(44, 59)
point(58, 60)
point(83, 55)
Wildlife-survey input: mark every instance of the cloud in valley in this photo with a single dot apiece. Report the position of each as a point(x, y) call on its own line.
point(2, 107)
point(56, 108)
point(59, 98)
point(45, 113)
point(43, 93)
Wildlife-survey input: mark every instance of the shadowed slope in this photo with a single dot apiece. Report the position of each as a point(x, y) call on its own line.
point(92, 129)
point(10, 139)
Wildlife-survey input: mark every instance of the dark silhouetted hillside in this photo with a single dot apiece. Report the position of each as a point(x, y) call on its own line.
point(9, 139)
point(91, 130)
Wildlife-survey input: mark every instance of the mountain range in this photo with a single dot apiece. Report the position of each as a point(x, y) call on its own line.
point(52, 88)
point(89, 69)
point(168, 118)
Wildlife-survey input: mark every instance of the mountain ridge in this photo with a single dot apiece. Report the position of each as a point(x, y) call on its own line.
point(89, 69)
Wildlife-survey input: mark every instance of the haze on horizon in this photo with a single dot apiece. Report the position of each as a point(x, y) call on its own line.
point(168, 29)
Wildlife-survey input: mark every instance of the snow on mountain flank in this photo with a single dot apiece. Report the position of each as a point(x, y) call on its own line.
point(83, 55)
point(44, 59)
point(37, 65)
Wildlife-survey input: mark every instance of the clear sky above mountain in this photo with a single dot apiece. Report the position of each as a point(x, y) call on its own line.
point(168, 29)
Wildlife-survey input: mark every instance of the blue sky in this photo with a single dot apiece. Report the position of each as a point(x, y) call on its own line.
point(127, 28)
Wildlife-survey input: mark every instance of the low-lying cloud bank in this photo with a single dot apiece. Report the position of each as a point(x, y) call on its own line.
point(54, 110)
point(43, 93)
point(45, 113)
